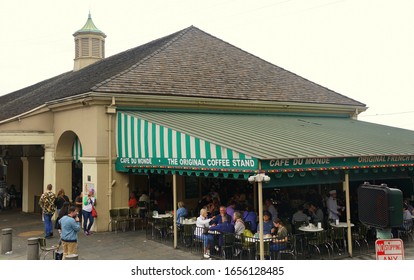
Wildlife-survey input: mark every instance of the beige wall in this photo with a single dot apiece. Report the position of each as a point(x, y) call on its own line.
point(41, 122)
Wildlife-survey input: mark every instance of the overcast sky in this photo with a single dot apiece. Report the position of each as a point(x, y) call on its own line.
point(362, 49)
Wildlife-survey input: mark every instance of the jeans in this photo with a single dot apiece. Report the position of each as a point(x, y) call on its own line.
point(207, 239)
point(48, 224)
point(87, 216)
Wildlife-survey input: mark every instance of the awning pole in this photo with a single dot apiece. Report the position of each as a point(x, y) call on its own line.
point(348, 213)
point(175, 209)
point(260, 201)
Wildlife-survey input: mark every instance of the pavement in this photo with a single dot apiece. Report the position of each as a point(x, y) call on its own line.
point(128, 245)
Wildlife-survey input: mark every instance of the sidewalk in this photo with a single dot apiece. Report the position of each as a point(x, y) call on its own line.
point(127, 245)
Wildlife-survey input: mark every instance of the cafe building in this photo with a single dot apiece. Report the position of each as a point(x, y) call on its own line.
point(180, 112)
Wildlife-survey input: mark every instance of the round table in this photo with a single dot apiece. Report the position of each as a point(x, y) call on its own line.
point(341, 225)
point(310, 229)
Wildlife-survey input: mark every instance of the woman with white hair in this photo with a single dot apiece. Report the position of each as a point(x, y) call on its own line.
point(202, 226)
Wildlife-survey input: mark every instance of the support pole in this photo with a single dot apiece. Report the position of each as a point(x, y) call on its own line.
point(260, 201)
point(348, 213)
point(175, 209)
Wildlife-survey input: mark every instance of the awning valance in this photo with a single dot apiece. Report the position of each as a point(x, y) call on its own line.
point(76, 149)
point(142, 144)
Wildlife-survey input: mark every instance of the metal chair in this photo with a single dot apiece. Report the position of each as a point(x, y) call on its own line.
point(124, 218)
point(114, 219)
point(290, 249)
point(44, 250)
point(247, 246)
point(359, 236)
point(227, 249)
point(320, 240)
point(406, 231)
point(266, 249)
point(135, 217)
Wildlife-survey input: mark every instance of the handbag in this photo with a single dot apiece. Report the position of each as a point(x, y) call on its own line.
point(94, 213)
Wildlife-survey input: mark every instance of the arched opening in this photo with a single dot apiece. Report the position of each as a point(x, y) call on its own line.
point(69, 164)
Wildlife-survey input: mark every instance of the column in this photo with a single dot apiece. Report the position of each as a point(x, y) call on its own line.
point(49, 167)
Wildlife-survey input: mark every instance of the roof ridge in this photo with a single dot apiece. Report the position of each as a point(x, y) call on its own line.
point(179, 34)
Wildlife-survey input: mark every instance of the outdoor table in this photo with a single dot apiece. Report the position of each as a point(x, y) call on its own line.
point(310, 228)
point(343, 226)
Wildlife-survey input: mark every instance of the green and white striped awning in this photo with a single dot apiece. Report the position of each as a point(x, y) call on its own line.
point(76, 149)
point(145, 145)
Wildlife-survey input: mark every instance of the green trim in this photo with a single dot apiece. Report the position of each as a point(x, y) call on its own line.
point(208, 111)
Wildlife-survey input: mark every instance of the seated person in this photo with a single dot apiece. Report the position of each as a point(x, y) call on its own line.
point(267, 224)
point(181, 211)
point(224, 227)
point(221, 216)
point(250, 218)
point(132, 202)
point(316, 213)
point(280, 236)
point(299, 216)
point(202, 224)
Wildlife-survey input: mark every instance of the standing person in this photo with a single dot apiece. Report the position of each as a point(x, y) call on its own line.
point(63, 212)
point(60, 199)
point(78, 204)
point(250, 218)
point(47, 203)
point(271, 208)
point(70, 225)
point(88, 201)
point(332, 205)
point(143, 204)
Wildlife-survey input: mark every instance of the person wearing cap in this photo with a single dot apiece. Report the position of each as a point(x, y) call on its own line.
point(267, 223)
point(332, 205)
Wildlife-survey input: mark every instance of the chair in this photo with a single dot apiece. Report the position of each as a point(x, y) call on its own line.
point(198, 239)
point(290, 248)
point(114, 219)
point(320, 239)
point(44, 250)
point(135, 217)
point(266, 249)
point(247, 245)
point(359, 236)
point(187, 236)
point(338, 240)
point(124, 218)
point(406, 231)
point(227, 249)
point(143, 208)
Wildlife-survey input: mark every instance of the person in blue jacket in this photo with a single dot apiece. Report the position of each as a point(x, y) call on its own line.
point(70, 225)
point(224, 227)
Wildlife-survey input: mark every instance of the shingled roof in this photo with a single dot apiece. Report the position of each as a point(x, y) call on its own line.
point(186, 63)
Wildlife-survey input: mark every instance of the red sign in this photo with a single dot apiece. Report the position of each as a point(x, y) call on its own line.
point(389, 249)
